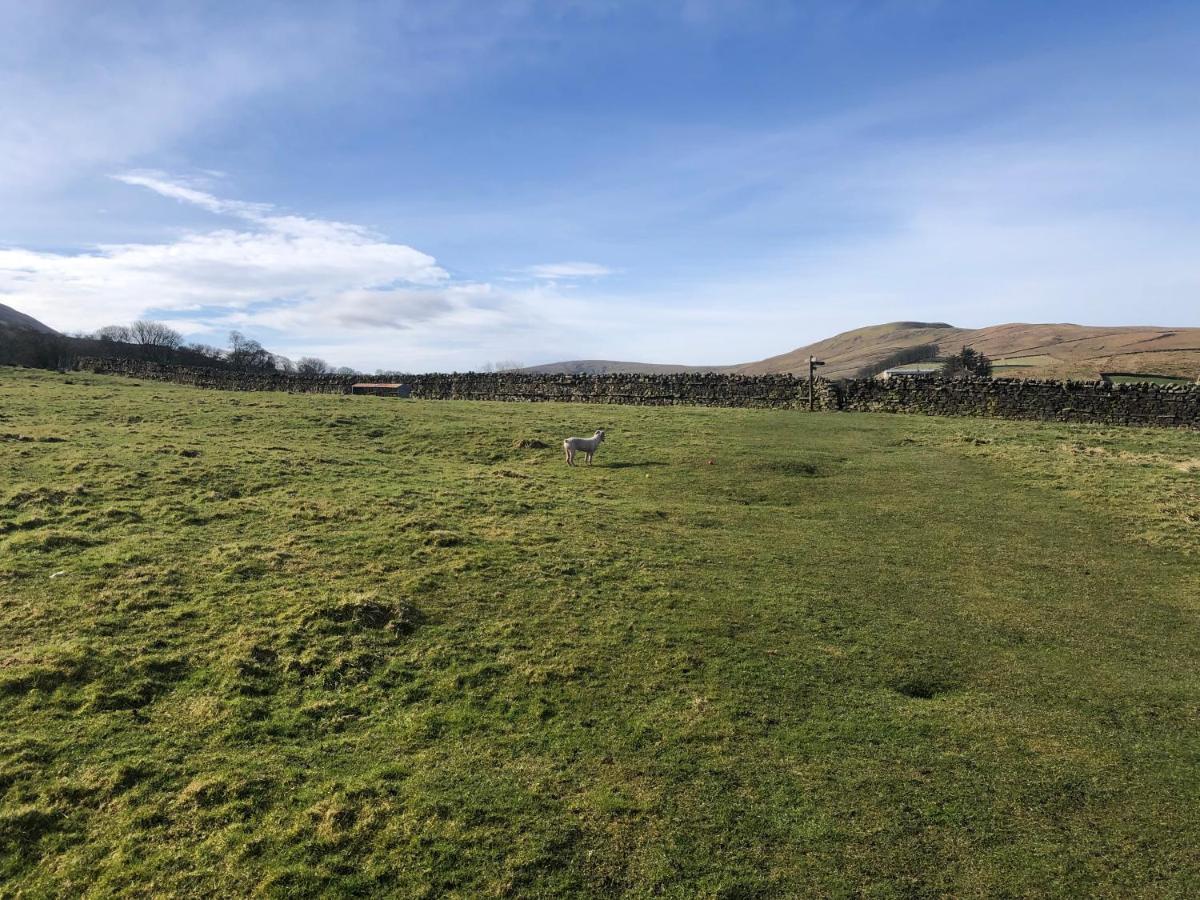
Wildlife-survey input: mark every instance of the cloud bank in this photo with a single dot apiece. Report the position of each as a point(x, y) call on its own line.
point(304, 284)
point(316, 269)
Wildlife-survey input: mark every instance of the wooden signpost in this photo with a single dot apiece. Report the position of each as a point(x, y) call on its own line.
point(813, 362)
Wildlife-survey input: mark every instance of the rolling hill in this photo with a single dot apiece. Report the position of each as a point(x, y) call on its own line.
point(1018, 349)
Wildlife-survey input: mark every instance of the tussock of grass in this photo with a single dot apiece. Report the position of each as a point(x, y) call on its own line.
point(21, 828)
point(44, 497)
point(797, 468)
point(746, 653)
point(363, 611)
point(44, 541)
point(31, 523)
point(48, 669)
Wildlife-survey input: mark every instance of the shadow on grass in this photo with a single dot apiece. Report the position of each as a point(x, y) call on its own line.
point(633, 465)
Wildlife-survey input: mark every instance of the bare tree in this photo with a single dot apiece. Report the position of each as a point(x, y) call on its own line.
point(312, 365)
point(149, 333)
point(247, 353)
point(156, 340)
point(344, 370)
point(117, 333)
point(205, 350)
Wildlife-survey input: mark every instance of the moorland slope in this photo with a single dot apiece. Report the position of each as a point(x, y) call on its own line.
point(1036, 351)
point(1021, 351)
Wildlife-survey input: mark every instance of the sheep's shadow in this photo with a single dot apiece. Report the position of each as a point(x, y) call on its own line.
point(633, 465)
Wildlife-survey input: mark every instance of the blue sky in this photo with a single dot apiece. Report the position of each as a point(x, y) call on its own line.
point(439, 185)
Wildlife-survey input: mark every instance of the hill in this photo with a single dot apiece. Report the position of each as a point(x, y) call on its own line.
point(11, 318)
point(298, 645)
point(846, 354)
point(1020, 350)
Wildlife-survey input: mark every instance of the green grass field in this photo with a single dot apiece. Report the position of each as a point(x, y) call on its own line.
point(1021, 362)
point(289, 645)
point(1167, 380)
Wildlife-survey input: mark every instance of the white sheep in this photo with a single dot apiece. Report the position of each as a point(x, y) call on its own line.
point(587, 445)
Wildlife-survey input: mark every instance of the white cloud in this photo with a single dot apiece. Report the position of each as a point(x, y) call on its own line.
point(268, 257)
point(567, 270)
point(303, 285)
point(179, 190)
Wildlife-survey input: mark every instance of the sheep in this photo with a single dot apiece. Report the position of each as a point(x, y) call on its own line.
point(587, 445)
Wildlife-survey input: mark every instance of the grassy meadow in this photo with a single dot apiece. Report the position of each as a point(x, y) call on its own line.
point(293, 645)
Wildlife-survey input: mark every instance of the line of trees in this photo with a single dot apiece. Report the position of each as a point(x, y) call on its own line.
point(244, 353)
point(966, 362)
point(150, 340)
point(34, 349)
point(916, 354)
point(156, 340)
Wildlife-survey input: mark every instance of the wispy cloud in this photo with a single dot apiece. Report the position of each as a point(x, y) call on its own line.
point(177, 189)
point(568, 270)
point(84, 87)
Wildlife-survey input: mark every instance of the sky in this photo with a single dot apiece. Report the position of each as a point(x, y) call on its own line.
point(430, 185)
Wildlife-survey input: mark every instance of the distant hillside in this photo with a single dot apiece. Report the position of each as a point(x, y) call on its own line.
point(846, 354)
point(1019, 350)
point(609, 367)
point(10, 318)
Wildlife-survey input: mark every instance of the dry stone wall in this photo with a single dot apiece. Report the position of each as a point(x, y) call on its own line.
point(221, 379)
point(1056, 401)
point(683, 389)
point(1014, 398)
